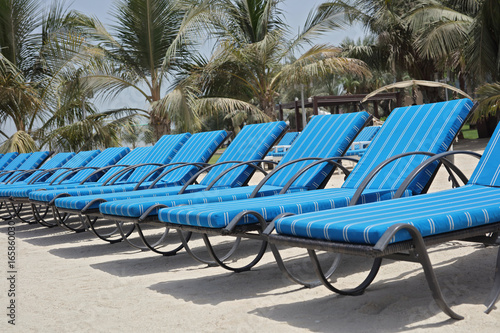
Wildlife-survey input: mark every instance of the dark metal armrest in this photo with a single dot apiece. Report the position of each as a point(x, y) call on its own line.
point(269, 175)
point(377, 169)
point(101, 170)
point(113, 179)
point(199, 165)
point(248, 163)
point(23, 173)
point(71, 173)
point(438, 157)
point(206, 169)
point(46, 172)
point(331, 160)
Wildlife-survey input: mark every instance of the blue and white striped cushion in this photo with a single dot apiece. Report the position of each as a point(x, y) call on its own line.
point(6, 159)
point(198, 148)
point(55, 162)
point(17, 161)
point(488, 169)
point(220, 214)
point(32, 162)
point(431, 214)
point(324, 136)
point(163, 152)
point(212, 216)
point(428, 127)
point(323, 131)
point(79, 160)
point(287, 140)
point(135, 204)
point(108, 157)
point(251, 143)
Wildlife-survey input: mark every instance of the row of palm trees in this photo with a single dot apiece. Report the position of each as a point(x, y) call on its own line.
point(55, 63)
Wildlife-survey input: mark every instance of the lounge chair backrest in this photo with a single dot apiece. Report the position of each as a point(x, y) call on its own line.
point(288, 138)
point(136, 156)
point(55, 162)
point(108, 157)
point(199, 148)
point(17, 161)
point(6, 159)
point(428, 127)
point(163, 152)
point(324, 136)
point(252, 143)
point(367, 134)
point(487, 170)
point(34, 160)
point(79, 160)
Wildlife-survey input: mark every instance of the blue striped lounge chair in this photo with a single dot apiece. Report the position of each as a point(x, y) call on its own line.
point(188, 159)
point(407, 225)
point(162, 152)
point(6, 159)
point(33, 161)
point(26, 176)
point(360, 144)
point(17, 195)
point(23, 178)
point(14, 165)
point(408, 136)
point(282, 147)
point(251, 144)
point(76, 161)
point(324, 137)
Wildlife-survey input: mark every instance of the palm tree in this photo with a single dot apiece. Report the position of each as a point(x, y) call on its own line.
point(152, 41)
point(41, 54)
point(396, 40)
point(256, 57)
point(460, 35)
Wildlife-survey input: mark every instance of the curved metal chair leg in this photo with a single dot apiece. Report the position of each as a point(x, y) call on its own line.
point(90, 222)
point(10, 215)
point(154, 246)
point(293, 278)
point(185, 240)
point(359, 290)
point(40, 217)
point(220, 261)
point(423, 259)
point(64, 222)
point(495, 292)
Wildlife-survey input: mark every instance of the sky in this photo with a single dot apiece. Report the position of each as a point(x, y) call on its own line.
point(295, 11)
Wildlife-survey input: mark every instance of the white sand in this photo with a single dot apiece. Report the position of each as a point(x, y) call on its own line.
point(70, 282)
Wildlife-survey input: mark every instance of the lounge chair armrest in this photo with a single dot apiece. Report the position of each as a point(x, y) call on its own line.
point(206, 169)
point(114, 178)
point(332, 160)
point(271, 226)
point(23, 173)
point(87, 206)
point(199, 165)
point(101, 170)
point(149, 210)
point(48, 171)
point(377, 169)
point(234, 222)
point(71, 173)
point(269, 175)
point(248, 163)
point(439, 157)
